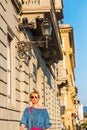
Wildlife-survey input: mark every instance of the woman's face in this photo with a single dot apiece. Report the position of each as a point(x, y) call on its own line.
point(34, 98)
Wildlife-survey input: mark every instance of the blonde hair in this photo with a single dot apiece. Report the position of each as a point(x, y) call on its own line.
point(34, 92)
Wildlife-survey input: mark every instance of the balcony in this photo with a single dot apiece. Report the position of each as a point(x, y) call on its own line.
point(42, 6)
point(74, 92)
point(35, 11)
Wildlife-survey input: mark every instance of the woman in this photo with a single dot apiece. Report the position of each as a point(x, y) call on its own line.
point(35, 116)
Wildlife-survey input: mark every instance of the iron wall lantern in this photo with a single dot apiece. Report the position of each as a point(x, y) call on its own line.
point(46, 29)
point(23, 46)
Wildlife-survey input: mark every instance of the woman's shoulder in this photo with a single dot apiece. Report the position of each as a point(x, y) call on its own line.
point(42, 107)
point(26, 109)
point(39, 107)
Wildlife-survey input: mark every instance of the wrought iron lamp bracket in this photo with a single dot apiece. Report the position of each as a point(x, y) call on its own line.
point(24, 47)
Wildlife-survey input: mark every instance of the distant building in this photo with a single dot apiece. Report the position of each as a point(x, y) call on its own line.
point(66, 78)
point(80, 111)
point(85, 111)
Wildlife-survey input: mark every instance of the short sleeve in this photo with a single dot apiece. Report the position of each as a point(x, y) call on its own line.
point(24, 119)
point(47, 120)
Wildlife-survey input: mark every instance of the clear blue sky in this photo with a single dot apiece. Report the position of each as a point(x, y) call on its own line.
point(75, 14)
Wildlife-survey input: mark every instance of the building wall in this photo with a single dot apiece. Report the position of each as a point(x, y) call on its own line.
point(18, 77)
point(9, 68)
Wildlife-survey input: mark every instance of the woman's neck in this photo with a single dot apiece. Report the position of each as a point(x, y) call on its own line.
point(35, 106)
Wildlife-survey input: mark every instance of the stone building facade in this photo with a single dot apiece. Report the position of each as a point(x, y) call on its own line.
point(18, 77)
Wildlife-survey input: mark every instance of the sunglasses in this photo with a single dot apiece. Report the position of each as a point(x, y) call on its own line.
point(32, 97)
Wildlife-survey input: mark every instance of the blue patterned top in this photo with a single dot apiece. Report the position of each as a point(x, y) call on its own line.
point(38, 118)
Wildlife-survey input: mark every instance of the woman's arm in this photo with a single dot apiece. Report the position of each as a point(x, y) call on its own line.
point(22, 126)
point(47, 129)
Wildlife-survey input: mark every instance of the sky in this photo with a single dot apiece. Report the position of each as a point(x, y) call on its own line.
point(75, 14)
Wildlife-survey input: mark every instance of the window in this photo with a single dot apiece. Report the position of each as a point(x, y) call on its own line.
point(9, 67)
point(34, 73)
point(11, 70)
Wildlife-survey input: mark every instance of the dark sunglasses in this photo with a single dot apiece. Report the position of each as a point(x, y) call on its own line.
point(32, 97)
